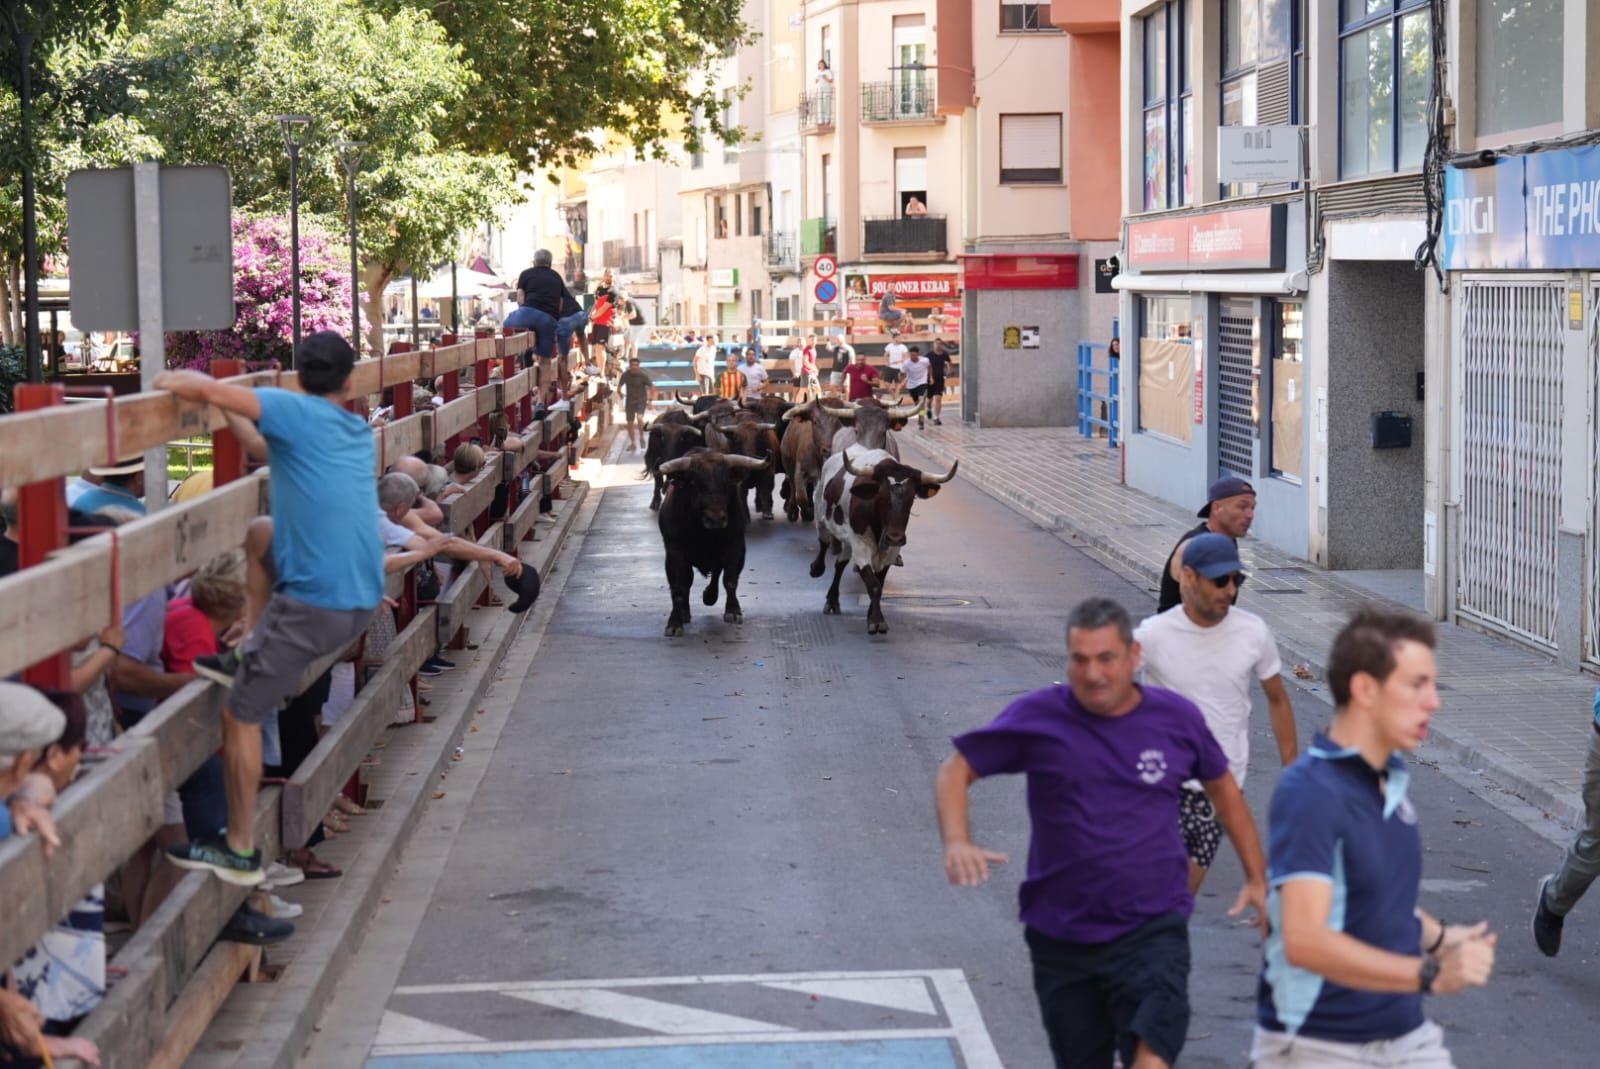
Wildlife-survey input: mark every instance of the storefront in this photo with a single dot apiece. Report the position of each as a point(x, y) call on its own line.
point(1214, 360)
point(1521, 239)
point(1025, 314)
point(932, 300)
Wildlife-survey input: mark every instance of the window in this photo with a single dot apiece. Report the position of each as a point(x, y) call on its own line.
point(738, 215)
point(1519, 64)
point(1385, 63)
point(1262, 68)
point(1288, 390)
point(910, 178)
point(730, 119)
point(755, 218)
point(755, 304)
point(1166, 367)
point(697, 125)
point(1168, 109)
point(1023, 16)
point(780, 308)
point(827, 46)
point(1030, 148)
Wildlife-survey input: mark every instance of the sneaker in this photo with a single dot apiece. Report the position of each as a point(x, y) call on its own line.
point(1546, 925)
point(440, 663)
point(938, 423)
point(219, 667)
point(282, 909)
point(217, 856)
point(256, 928)
point(430, 669)
point(280, 875)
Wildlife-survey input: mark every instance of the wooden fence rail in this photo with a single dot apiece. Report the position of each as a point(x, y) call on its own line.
point(77, 590)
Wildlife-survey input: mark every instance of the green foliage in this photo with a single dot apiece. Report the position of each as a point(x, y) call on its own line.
point(555, 72)
point(13, 369)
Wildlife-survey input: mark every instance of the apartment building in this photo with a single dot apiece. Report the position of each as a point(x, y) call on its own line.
point(633, 208)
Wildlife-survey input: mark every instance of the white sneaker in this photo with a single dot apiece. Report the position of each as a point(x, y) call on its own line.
point(281, 875)
point(284, 910)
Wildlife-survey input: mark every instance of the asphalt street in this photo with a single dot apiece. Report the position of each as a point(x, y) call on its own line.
point(720, 850)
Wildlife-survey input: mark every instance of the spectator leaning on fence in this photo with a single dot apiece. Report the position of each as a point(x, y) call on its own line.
point(327, 558)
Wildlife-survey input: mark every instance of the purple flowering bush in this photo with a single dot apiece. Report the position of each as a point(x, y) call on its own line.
point(263, 303)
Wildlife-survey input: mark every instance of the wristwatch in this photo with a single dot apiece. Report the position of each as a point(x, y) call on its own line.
point(1428, 974)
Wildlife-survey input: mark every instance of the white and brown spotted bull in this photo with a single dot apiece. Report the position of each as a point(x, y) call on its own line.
point(702, 521)
point(868, 423)
point(866, 505)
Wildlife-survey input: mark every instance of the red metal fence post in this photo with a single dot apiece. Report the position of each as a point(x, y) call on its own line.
point(42, 519)
point(227, 455)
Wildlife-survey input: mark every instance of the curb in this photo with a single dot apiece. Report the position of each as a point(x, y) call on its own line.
point(288, 1010)
point(1522, 782)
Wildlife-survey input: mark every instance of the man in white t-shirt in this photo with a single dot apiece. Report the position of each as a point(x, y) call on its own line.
point(755, 375)
point(918, 373)
point(705, 364)
point(894, 372)
point(1209, 650)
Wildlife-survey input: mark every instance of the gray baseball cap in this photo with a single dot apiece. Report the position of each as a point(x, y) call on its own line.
point(28, 720)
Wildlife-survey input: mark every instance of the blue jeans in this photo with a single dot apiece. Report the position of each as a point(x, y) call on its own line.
point(542, 323)
point(566, 328)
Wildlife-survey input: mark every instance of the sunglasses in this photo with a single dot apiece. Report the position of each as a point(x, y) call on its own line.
point(1235, 578)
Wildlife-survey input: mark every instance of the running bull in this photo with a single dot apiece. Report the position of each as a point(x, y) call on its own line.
point(702, 521)
point(866, 504)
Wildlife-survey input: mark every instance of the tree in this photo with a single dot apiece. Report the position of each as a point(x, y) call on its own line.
point(207, 77)
point(563, 70)
point(264, 327)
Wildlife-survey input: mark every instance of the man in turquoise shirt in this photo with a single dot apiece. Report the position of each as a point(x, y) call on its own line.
point(326, 560)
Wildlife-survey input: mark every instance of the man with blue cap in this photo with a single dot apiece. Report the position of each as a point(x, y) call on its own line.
point(1211, 652)
point(1229, 508)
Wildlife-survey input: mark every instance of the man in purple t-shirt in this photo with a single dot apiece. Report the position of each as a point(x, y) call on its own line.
point(1106, 901)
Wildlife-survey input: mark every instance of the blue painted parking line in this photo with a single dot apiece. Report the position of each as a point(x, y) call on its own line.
point(867, 1054)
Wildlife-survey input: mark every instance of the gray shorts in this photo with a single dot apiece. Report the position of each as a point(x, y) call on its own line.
point(288, 637)
point(1421, 1048)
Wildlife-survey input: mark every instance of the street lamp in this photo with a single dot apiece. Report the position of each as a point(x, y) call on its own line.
point(294, 128)
point(350, 157)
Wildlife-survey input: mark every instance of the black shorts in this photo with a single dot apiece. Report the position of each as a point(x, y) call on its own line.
point(922, 392)
point(599, 333)
point(891, 374)
point(1101, 999)
point(936, 388)
point(1197, 819)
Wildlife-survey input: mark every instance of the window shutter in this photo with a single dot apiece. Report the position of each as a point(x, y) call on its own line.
point(1030, 148)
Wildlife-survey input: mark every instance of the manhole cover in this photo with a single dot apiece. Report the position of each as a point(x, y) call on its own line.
point(940, 601)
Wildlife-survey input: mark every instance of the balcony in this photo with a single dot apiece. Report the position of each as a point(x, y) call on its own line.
point(783, 251)
point(909, 98)
point(818, 236)
point(634, 259)
point(908, 236)
point(816, 110)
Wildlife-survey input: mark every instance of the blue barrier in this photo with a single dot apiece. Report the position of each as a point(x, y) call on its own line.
point(1088, 396)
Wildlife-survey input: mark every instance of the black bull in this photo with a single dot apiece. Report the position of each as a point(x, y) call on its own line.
point(702, 521)
point(668, 440)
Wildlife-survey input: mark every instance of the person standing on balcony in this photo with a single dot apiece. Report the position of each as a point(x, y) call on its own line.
point(824, 90)
point(915, 207)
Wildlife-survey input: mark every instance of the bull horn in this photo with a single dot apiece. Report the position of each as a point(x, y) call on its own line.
point(679, 395)
point(726, 428)
point(937, 480)
point(672, 467)
point(846, 415)
point(696, 431)
point(904, 411)
point(860, 473)
point(766, 426)
point(700, 417)
point(736, 460)
point(797, 410)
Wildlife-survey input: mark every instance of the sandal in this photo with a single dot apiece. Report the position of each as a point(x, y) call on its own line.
point(348, 806)
point(313, 866)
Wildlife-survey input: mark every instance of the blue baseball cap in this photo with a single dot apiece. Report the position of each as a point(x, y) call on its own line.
point(1227, 486)
point(1212, 555)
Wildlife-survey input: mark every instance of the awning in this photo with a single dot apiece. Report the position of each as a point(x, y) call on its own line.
point(1249, 282)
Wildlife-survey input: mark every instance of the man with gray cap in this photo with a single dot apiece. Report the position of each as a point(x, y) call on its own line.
point(1210, 651)
point(29, 722)
point(1230, 506)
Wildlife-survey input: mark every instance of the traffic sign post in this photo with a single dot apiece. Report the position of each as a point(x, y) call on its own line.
point(826, 291)
point(825, 266)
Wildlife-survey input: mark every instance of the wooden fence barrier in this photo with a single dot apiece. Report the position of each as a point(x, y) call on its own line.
point(72, 592)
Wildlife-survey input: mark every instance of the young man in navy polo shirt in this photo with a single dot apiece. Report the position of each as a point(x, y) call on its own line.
point(1350, 955)
point(1106, 901)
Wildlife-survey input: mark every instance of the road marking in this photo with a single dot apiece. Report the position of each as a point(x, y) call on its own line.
point(1443, 886)
point(743, 1039)
point(669, 981)
point(898, 1053)
point(647, 1013)
point(908, 993)
point(399, 1029)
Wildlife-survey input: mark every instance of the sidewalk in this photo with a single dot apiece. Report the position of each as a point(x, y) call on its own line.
point(1507, 710)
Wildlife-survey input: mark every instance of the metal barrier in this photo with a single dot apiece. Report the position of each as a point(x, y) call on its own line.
point(1089, 397)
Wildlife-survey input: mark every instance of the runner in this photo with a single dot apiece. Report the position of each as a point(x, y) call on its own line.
point(918, 373)
point(755, 375)
point(1106, 900)
point(1210, 652)
point(705, 364)
point(327, 561)
point(638, 390)
point(601, 319)
point(1560, 890)
point(1350, 955)
point(1229, 509)
point(896, 353)
point(938, 366)
point(859, 377)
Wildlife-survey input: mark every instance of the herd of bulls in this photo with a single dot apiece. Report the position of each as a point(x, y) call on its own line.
point(841, 470)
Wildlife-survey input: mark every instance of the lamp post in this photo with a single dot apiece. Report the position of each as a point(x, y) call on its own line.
point(30, 224)
point(294, 127)
point(350, 157)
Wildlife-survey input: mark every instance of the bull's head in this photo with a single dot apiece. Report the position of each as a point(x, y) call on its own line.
point(796, 411)
point(678, 395)
point(900, 415)
point(887, 490)
point(711, 479)
point(842, 413)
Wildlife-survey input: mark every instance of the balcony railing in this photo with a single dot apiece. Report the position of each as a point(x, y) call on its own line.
point(816, 109)
point(910, 234)
point(783, 251)
point(634, 258)
point(819, 236)
point(909, 98)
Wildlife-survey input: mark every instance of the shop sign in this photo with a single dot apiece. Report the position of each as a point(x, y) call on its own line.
point(724, 277)
point(1535, 212)
point(913, 287)
point(1046, 272)
point(1243, 239)
point(1260, 153)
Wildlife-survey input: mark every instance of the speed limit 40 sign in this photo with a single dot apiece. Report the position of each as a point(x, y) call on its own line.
point(825, 267)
